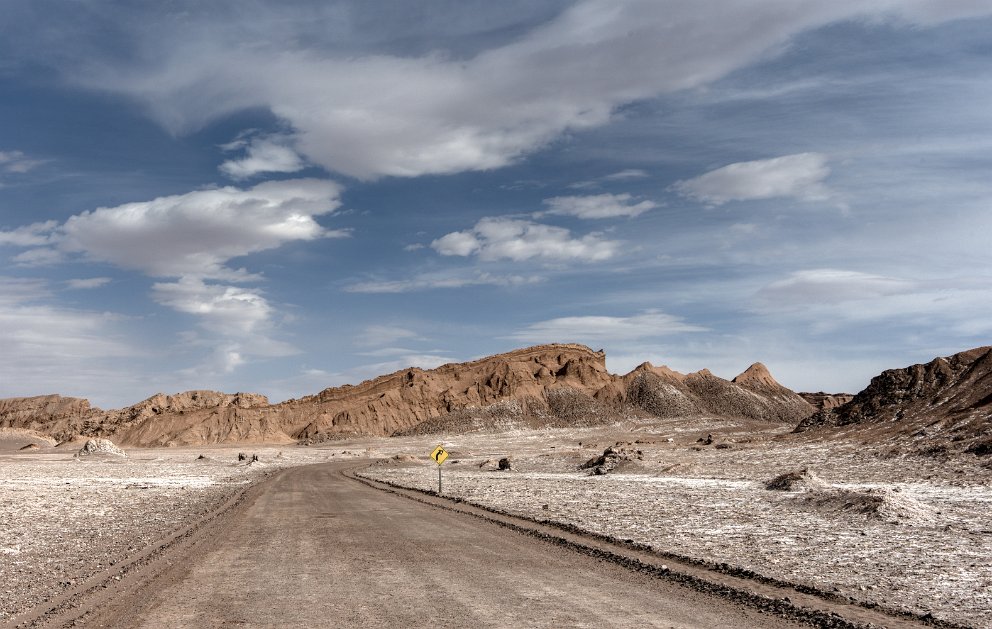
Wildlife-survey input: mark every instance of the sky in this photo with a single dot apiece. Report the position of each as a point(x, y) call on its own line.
point(283, 196)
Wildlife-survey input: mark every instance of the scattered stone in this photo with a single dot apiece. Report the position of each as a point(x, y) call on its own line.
point(797, 480)
point(611, 458)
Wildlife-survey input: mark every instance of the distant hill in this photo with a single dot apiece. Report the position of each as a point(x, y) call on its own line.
point(543, 386)
point(943, 405)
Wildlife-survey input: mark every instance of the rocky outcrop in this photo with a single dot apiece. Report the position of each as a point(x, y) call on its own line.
point(544, 386)
point(945, 404)
point(825, 401)
point(45, 413)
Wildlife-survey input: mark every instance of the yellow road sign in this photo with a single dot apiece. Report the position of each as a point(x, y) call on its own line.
point(439, 454)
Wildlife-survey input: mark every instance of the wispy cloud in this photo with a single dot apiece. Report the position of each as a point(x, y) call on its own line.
point(627, 174)
point(440, 280)
point(829, 299)
point(828, 286)
point(46, 346)
point(33, 235)
point(239, 321)
point(605, 329)
point(42, 256)
point(87, 283)
point(799, 176)
point(598, 206)
point(17, 162)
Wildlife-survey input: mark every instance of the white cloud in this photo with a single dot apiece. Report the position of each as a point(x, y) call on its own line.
point(192, 237)
point(88, 283)
point(264, 154)
point(432, 281)
point(197, 233)
point(33, 235)
point(605, 329)
point(799, 176)
point(369, 115)
point(457, 244)
point(228, 310)
point(515, 239)
point(597, 206)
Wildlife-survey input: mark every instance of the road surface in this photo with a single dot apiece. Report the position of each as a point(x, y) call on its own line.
point(314, 548)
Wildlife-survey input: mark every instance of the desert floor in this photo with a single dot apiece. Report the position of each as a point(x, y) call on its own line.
point(908, 533)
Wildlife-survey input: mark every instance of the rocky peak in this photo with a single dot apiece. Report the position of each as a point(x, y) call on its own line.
point(757, 375)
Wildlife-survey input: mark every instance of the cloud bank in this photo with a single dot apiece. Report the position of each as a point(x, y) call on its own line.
point(368, 114)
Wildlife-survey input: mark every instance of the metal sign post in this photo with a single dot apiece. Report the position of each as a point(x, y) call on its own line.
point(440, 455)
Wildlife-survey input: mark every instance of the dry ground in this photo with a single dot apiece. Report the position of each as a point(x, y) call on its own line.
point(909, 533)
point(64, 518)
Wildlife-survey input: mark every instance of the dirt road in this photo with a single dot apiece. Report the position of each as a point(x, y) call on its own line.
point(314, 548)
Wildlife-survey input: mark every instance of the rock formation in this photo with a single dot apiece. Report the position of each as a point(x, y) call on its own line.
point(543, 386)
point(945, 404)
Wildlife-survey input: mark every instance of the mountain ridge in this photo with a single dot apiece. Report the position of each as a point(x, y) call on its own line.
point(935, 407)
point(542, 385)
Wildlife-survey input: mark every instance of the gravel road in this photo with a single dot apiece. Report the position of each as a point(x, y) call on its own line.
point(311, 547)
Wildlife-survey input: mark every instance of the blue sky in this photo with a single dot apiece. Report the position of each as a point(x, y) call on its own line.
point(284, 196)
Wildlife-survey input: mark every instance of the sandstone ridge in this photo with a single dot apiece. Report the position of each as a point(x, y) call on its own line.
point(542, 386)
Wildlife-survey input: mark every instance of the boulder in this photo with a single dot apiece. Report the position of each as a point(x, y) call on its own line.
point(100, 446)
